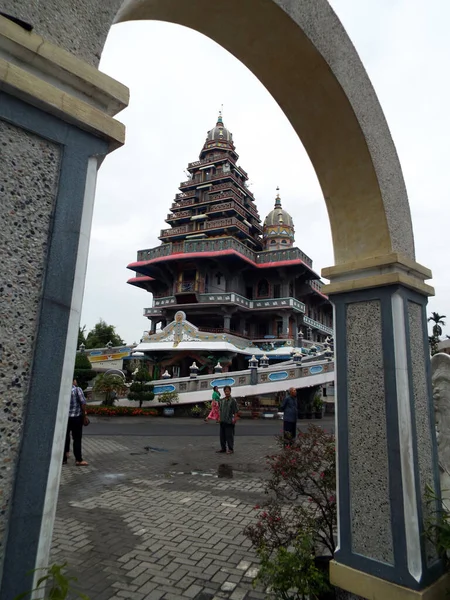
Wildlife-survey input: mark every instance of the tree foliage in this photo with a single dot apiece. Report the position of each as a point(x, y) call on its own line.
point(83, 371)
point(140, 390)
point(101, 335)
point(438, 321)
point(110, 385)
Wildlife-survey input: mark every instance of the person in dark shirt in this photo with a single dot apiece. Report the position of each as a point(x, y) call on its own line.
point(290, 415)
point(228, 410)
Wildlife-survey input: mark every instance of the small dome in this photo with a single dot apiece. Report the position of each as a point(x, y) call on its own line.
point(219, 133)
point(278, 229)
point(278, 216)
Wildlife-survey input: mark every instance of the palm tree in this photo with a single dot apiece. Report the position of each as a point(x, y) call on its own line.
point(438, 320)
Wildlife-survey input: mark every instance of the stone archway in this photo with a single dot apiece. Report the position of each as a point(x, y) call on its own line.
point(301, 53)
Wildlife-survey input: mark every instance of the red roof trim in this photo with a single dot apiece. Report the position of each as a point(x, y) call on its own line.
point(230, 252)
point(143, 278)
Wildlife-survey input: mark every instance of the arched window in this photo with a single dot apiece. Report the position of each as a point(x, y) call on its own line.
point(273, 242)
point(263, 289)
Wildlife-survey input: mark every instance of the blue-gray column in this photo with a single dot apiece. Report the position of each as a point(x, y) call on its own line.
point(45, 167)
point(385, 435)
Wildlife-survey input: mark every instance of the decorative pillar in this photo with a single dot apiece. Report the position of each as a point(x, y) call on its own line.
point(386, 442)
point(227, 322)
point(56, 126)
point(253, 366)
point(193, 370)
point(285, 317)
point(218, 368)
point(264, 361)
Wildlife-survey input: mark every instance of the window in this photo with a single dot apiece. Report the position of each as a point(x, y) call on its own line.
point(218, 278)
point(263, 289)
point(277, 291)
point(273, 242)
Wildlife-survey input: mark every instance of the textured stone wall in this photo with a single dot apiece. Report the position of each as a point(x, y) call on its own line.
point(80, 27)
point(368, 458)
point(28, 182)
point(422, 409)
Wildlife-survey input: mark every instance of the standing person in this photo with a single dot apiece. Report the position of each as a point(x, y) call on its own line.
point(77, 418)
point(228, 410)
point(290, 415)
point(214, 412)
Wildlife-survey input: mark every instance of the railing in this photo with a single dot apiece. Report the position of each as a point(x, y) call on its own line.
point(228, 298)
point(204, 226)
point(213, 159)
point(180, 230)
point(223, 243)
point(317, 325)
point(188, 199)
point(280, 255)
point(183, 214)
point(200, 181)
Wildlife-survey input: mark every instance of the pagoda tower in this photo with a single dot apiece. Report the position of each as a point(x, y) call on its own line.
point(215, 200)
point(240, 285)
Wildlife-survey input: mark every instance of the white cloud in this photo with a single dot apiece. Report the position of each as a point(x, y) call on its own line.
point(178, 81)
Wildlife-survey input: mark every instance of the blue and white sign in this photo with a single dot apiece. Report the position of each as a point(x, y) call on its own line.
point(160, 389)
point(316, 369)
point(222, 382)
point(279, 376)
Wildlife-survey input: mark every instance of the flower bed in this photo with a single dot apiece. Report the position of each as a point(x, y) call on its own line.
point(121, 411)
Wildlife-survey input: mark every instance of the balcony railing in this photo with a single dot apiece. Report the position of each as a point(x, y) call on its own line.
point(205, 226)
point(227, 298)
point(213, 197)
point(223, 243)
point(221, 175)
point(212, 160)
point(317, 325)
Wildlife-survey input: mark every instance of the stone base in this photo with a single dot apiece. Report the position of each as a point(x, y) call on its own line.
point(373, 588)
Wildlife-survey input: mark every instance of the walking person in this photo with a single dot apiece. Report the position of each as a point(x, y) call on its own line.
point(214, 412)
point(290, 415)
point(77, 418)
point(228, 410)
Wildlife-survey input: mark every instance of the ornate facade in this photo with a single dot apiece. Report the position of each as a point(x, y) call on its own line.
point(226, 271)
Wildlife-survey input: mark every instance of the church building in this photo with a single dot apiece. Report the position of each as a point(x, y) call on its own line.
point(243, 287)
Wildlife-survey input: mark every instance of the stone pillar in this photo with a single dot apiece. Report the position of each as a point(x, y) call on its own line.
point(385, 428)
point(55, 127)
point(227, 322)
point(285, 317)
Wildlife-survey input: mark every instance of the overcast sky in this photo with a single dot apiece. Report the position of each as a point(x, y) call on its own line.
point(405, 48)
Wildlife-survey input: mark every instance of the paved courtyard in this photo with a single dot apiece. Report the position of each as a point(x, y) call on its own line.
point(151, 517)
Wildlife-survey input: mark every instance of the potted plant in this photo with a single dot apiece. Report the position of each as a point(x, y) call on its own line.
point(168, 398)
point(318, 406)
point(196, 411)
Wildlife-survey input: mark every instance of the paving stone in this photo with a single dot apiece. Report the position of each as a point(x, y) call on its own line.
point(150, 533)
point(227, 586)
point(192, 591)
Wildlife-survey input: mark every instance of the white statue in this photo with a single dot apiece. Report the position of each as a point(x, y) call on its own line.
point(440, 368)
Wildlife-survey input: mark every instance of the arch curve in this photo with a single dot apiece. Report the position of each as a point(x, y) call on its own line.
point(301, 53)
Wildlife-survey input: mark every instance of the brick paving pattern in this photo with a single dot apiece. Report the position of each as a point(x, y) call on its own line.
point(151, 518)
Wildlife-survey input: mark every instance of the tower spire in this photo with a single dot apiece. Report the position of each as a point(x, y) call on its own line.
point(219, 118)
point(278, 199)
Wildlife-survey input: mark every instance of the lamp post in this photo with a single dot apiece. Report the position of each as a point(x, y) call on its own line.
point(193, 369)
point(253, 366)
